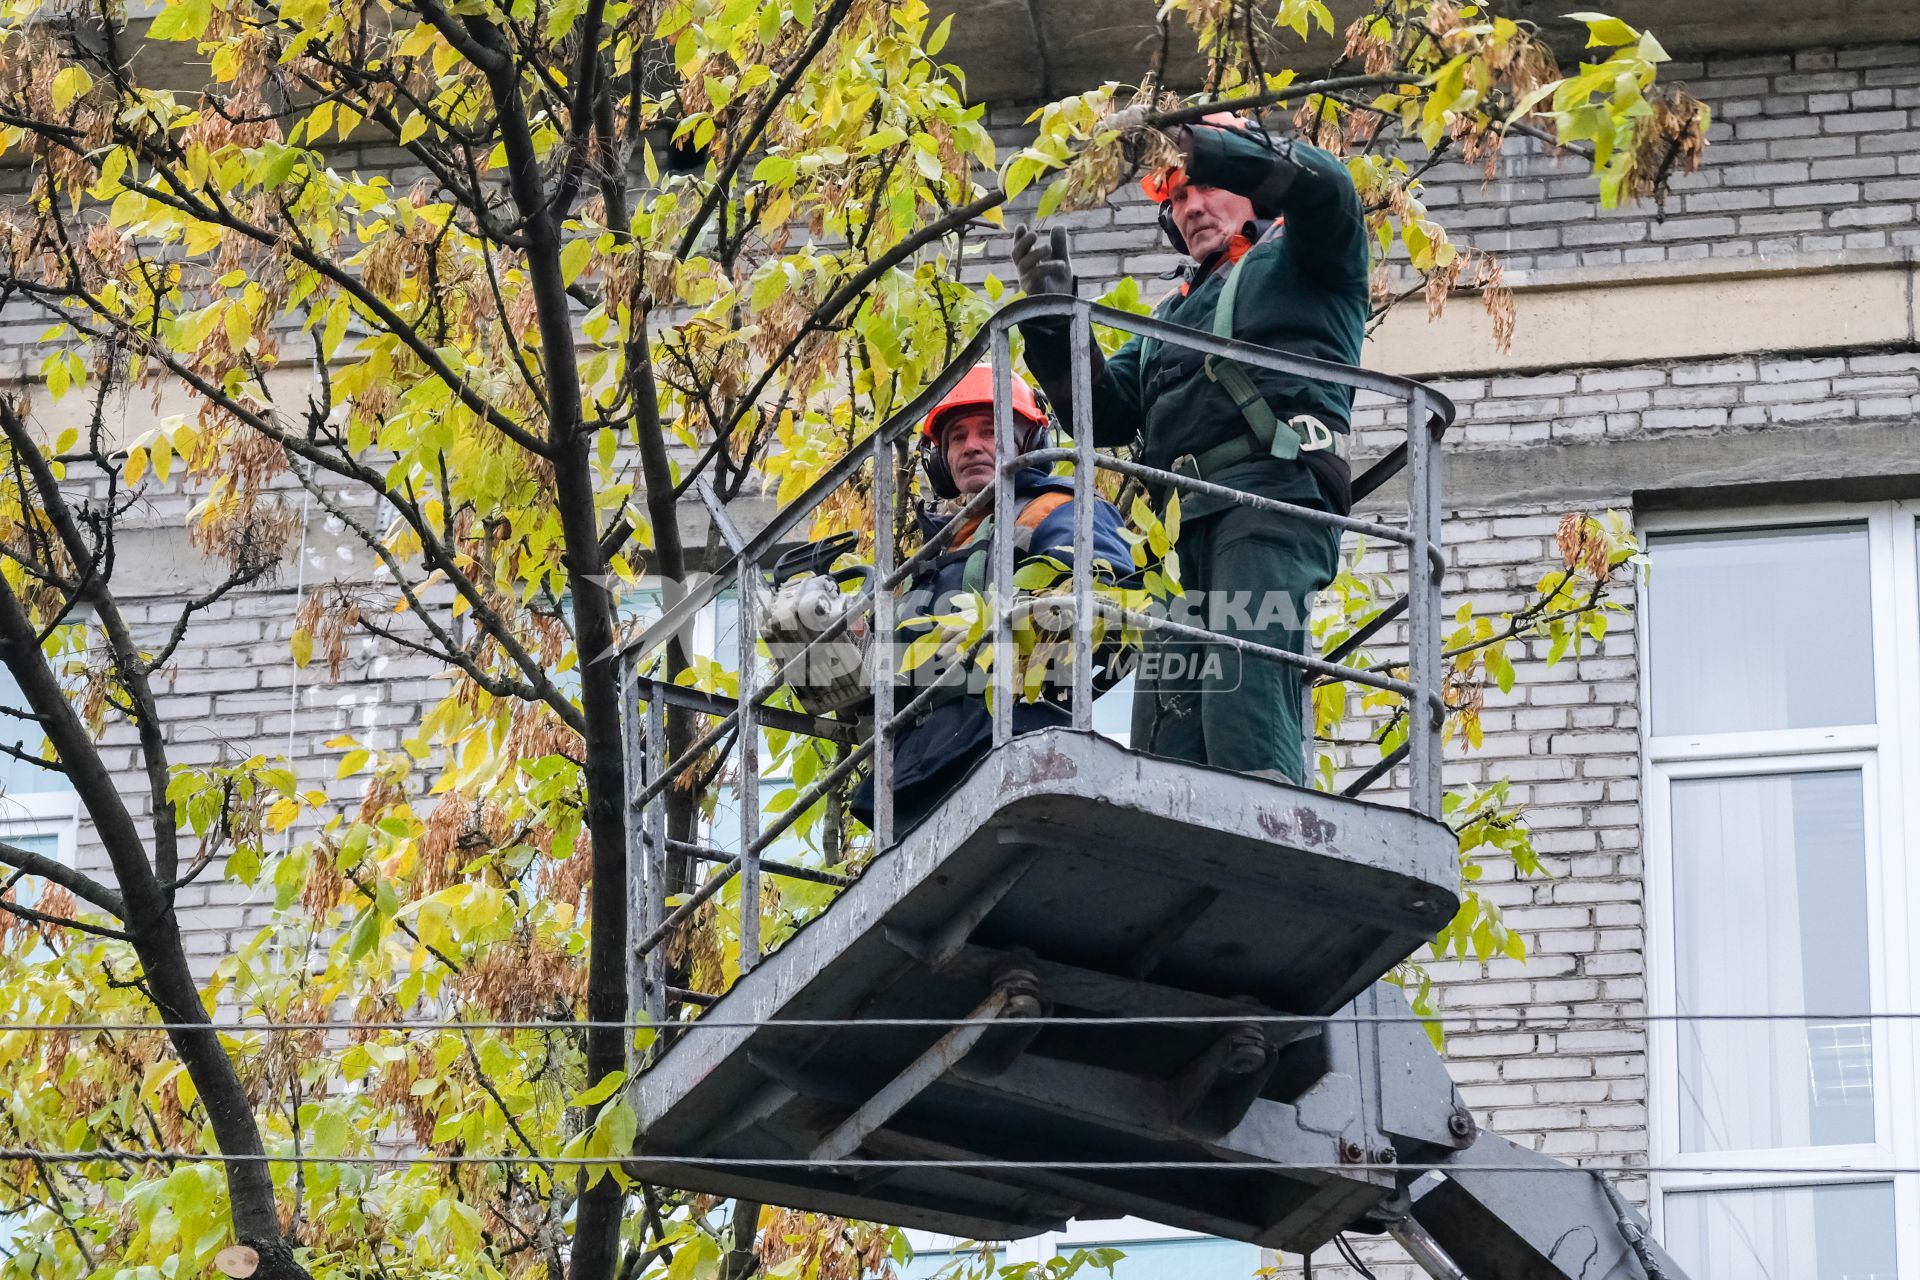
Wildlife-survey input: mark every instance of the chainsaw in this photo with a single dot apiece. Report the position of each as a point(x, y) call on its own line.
point(809, 598)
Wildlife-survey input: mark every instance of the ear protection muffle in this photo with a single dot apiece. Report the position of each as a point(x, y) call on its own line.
point(1170, 228)
point(933, 461)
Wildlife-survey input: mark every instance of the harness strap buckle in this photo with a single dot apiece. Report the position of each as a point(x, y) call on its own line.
point(1314, 434)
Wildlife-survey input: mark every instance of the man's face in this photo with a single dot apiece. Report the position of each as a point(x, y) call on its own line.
point(966, 437)
point(1208, 217)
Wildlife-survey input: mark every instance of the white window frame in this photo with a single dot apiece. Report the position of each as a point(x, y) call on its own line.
point(42, 813)
point(1887, 756)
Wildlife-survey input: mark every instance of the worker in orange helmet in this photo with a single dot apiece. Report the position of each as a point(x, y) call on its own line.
point(959, 460)
point(1279, 257)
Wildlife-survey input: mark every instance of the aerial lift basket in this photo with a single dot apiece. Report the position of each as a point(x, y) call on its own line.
point(1091, 983)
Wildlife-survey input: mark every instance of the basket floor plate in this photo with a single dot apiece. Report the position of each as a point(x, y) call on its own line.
point(1125, 885)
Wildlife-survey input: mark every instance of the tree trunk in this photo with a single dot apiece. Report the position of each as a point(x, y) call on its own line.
point(256, 1217)
point(596, 1241)
point(155, 934)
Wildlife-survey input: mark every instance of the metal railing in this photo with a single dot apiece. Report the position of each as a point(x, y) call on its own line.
point(650, 773)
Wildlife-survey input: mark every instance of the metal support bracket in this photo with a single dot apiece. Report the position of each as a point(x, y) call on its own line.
point(1500, 1210)
point(937, 950)
point(1014, 997)
point(1217, 1089)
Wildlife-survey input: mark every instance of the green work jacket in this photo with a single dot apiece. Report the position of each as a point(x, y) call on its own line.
point(1305, 290)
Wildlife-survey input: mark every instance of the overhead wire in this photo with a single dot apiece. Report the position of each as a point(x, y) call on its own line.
point(165, 1155)
point(1487, 1019)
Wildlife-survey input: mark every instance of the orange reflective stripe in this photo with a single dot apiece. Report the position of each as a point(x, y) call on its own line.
point(1029, 518)
point(1040, 508)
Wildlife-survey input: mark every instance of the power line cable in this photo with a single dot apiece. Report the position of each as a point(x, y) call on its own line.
point(1483, 1020)
point(112, 1154)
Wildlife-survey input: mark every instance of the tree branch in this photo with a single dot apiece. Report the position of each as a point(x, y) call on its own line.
point(62, 922)
point(74, 881)
point(822, 316)
point(456, 34)
point(829, 24)
point(539, 686)
point(350, 284)
point(348, 468)
point(126, 654)
point(234, 582)
point(27, 757)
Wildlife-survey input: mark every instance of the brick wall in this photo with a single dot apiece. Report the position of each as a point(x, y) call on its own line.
point(233, 690)
point(1814, 151)
point(1705, 397)
point(1567, 737)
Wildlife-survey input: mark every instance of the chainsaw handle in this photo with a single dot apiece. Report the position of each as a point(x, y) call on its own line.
point(863, 572)
point(814, 557)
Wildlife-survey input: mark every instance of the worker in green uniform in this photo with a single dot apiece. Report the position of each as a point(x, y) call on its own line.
point(1279, 257)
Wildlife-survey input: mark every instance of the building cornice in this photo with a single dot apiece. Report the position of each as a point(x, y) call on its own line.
point(1588, 318)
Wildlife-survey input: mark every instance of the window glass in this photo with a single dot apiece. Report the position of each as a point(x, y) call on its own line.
point(1842, 1232)
point(1770, 916)
point(17, 777)
point(724, 831)
point(636, 608)
point(27, 892)
point(1756, 631)
point(1191, 1258)
point(726, 629)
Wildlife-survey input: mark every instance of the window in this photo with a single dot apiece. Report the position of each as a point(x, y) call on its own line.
point(19, 778)
point(1153, 1252)
point(1782, 740)
point(1113, 711)
point(35, 839)
point(38, 808)
point(635, 609)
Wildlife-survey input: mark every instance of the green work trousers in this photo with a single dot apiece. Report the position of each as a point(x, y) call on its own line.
point(1255, 573)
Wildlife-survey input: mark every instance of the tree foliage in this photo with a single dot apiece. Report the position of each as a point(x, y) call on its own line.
point(638, 247)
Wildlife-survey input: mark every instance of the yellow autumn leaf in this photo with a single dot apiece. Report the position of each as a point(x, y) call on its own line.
point(69, 82)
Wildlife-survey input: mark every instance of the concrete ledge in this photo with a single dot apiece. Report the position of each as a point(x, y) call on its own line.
point(1582, 319)
point(1799, 464)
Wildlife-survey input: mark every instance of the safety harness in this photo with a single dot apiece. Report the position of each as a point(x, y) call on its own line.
point(977, 540)
point(1266, 434)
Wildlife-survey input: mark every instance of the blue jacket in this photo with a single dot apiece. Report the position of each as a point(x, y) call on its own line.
point(955, 729)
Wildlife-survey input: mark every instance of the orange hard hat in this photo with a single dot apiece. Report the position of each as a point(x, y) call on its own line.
point(1160, 185)
point(976, 388)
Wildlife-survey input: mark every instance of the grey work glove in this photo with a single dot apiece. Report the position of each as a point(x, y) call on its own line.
point(1138, 140)
point(1128, 121)
point(1042, 265)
